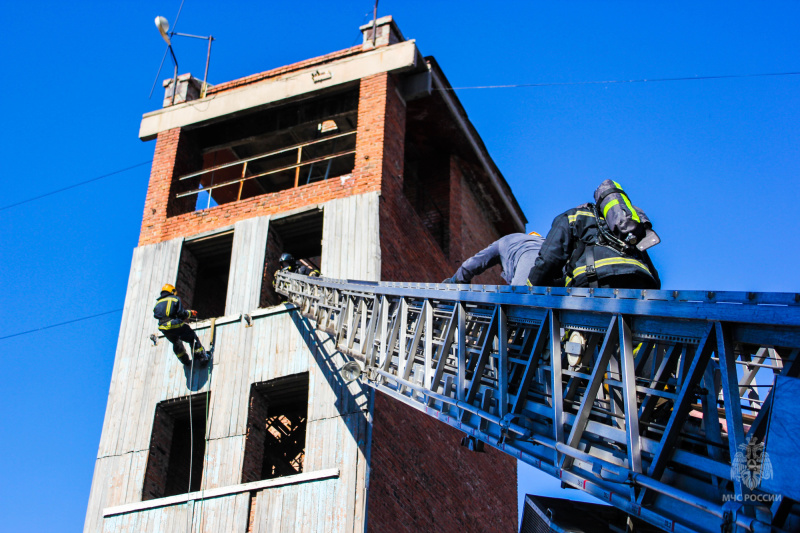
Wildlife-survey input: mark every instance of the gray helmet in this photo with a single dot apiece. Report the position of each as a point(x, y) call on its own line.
point(286, 258)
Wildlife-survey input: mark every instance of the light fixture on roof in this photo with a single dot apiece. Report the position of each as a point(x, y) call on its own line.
point(327, 126)
point(163, 28)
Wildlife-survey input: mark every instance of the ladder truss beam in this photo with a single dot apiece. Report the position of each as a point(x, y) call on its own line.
point(668, 385)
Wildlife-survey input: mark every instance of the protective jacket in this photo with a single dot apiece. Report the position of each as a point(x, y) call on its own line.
point(301, 269)
point(573, 252)
point(169, 311)
point(508, 251)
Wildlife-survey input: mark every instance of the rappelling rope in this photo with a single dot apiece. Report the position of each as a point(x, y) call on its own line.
point(190, 509)
point(208, 427)
point(190, 514)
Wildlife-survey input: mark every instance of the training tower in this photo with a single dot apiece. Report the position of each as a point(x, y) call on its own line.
point(364, 163)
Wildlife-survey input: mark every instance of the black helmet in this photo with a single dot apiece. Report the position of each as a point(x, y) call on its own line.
point(286, 258)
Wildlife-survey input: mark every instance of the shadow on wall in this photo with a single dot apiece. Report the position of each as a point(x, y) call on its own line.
point(350, 399)
point(198, 377)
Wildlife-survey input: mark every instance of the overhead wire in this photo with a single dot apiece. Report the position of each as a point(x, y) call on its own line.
point(74, 185)
point(505, 86)
point(607, 82)
point(60, 324)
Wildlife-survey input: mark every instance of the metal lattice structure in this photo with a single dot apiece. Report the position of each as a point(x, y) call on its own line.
point(646, 409)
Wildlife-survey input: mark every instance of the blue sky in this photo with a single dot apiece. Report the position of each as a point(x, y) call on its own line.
point(713, 162)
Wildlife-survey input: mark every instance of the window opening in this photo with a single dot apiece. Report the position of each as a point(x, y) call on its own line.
point(299, 235)
point(272, 150)
point(276, 428)
point(203, 274)
point(168, 462)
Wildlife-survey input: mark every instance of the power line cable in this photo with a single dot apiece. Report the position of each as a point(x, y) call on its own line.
point(60, 324)
point(606, 82)
point(9, 206)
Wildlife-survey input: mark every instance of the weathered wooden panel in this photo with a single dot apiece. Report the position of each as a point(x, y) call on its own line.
point(340, 441)
point(350, 238)
point(223, 462)
point(163, 269)
point(217, 515)
point(329, 395)
point(278, 348)
point(247, 264)
point(152, 266)
point(117, 479)
point(222, 515)
point(300, 507)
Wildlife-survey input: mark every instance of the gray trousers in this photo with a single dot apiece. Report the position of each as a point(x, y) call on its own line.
point(523, 268)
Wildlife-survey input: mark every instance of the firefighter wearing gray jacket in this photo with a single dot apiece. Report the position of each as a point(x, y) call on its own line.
point(515, 253)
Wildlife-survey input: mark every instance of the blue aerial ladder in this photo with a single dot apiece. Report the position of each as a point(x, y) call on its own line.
point(678, 407)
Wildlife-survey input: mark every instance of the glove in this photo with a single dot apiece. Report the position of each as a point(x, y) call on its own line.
point(193, 313)
point(448, 280)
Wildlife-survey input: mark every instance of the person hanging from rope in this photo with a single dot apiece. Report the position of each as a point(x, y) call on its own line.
point(515, 253)
point(171, 316)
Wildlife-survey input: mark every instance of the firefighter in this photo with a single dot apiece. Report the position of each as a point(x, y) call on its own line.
point(515, 253)
point(290, 264)
point(171, 321)
point(586, 248)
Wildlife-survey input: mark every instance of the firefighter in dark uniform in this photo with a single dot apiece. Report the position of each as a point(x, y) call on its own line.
point(171, 315)
point(582, 250)
point(290, 264)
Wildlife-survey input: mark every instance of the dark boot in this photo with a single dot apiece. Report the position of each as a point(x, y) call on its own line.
point(183, 358)
point(200, 356)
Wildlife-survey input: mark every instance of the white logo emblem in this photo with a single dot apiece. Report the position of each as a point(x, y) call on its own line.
point(751, 464)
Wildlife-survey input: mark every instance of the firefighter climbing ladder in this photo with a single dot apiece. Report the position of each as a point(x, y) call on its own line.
point(647, 409)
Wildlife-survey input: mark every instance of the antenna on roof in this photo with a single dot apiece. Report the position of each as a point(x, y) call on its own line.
point(374, 22)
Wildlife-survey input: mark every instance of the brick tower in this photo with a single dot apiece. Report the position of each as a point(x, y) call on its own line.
point(364, 164)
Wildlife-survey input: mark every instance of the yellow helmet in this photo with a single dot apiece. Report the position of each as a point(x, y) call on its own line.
point(534, 233)
point(168, 287)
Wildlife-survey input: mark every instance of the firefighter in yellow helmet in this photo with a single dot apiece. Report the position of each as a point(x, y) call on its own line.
point(171, 316)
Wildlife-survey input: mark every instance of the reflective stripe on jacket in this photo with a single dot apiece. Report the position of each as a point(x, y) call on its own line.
point(571, 245)
point(169, 312)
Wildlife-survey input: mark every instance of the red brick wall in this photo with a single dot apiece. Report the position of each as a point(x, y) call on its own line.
point(476, 231)
point(155, 474)
point(254, 441)
point(422, 479)
point(370, 163)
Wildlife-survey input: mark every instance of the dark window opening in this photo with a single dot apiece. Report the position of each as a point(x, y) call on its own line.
point(426, 175)
point(299, 235)
point(203, 274)
point(276, 428)
point(272, 150)
point(177, 448)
